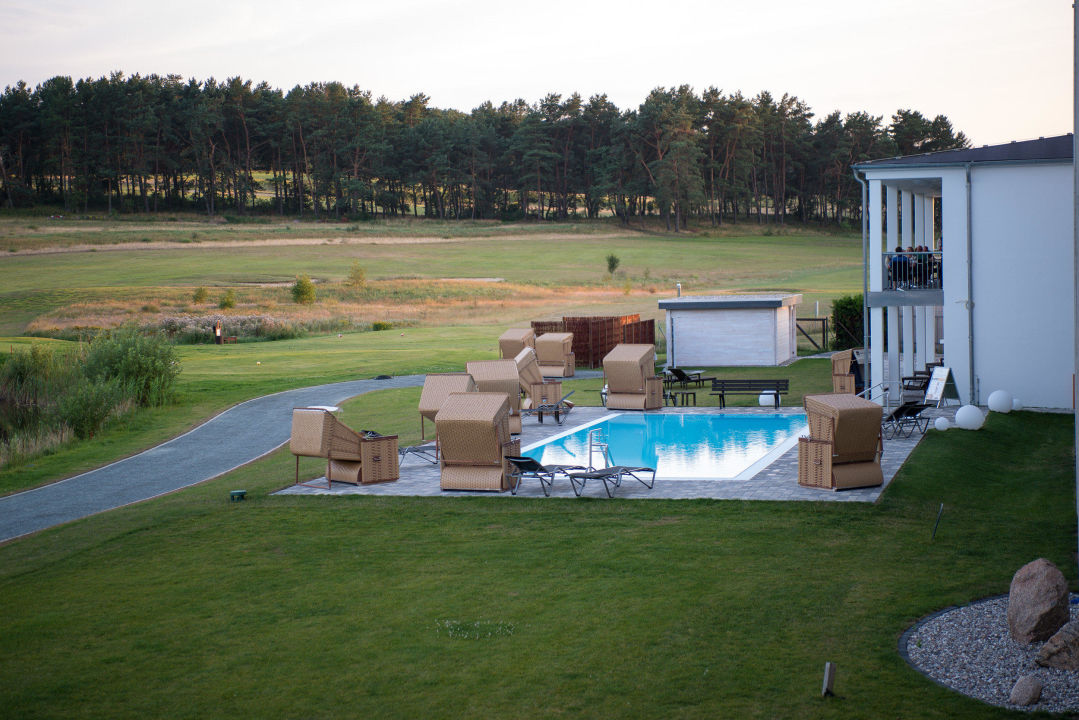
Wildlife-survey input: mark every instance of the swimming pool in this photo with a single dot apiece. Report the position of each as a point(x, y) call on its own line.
point(681, 445)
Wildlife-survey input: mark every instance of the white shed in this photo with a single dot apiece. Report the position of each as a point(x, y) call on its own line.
point(725, 330)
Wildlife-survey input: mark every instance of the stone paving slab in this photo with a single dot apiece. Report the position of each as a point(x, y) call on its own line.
point(778, 481)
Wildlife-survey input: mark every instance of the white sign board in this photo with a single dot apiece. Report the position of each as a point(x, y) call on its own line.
point(939, 381)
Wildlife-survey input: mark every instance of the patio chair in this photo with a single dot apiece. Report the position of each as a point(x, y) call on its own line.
point(631, 380)
point(514, 340)
point(474, 439)
point(436, 388)
point(526, 468)
point(904, 419)
point(500, 376)
point(351, 457)
point(555, 354)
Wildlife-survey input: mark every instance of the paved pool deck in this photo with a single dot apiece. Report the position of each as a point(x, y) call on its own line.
point(778, 481)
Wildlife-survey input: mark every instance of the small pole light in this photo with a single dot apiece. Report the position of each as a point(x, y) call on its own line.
point(678, 286)
point(829, 680)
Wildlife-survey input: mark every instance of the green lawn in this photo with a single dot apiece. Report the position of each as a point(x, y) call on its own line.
point(505, 607)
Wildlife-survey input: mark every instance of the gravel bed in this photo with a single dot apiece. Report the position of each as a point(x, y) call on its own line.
point(968, 649)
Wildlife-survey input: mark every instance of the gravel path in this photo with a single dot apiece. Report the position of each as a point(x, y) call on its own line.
point(968, 649)
point(237, 436)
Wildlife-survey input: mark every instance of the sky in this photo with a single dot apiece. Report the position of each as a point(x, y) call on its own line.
point(1000, 70)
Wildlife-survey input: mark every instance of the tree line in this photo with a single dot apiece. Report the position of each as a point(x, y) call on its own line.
point(145, 144)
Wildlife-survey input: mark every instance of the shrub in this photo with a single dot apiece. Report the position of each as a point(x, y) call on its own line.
point(228, 301)
point(357, 277)
point(380, 325)
point(847, 322)
point(612, 263)
point(303, 292)
point(88, 405)
point(144, 366)
point(200, 296)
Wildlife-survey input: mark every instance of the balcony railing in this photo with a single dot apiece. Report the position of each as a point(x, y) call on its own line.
point(912, 270)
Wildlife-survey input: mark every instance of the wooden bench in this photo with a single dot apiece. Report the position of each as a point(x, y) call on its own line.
point(722, 388)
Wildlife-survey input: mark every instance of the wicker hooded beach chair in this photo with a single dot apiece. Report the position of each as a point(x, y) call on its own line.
point(842, 377)
point(436, 388)
point(844, 445)
point(631, 380)
point(555, 354)
point(474, 433)
point(499, 376)
point(351, 457)
point(514, 341)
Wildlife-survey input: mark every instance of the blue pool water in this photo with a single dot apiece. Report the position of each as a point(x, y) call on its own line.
point(678, 445)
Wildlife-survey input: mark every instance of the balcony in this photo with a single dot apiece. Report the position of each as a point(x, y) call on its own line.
point(912, 271)
point(909, 278)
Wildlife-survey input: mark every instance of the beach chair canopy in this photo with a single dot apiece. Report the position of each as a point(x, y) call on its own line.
point(627, 366)
point(850, 423)
point(552, 348)
point(438, 386)
point(514, 340)
point(498, 376)
point(474, 437)
point(528, 371)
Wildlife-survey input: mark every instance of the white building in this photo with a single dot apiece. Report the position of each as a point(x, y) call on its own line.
point(1002, 283)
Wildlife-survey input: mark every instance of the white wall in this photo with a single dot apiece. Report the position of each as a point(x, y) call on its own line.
point(715, 338)
point(1024, 318)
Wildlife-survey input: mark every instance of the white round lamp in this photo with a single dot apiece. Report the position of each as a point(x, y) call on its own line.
point(969, 417)
point(941, 424)
point(1000, 401)
point(1017, 404)
point(767, 399)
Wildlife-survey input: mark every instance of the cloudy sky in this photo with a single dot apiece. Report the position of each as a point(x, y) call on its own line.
point(999, 69)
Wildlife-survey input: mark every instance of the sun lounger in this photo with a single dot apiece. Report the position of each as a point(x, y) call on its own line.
point(904, 419)
point(526, 468)
point(612, 477)
point(685, 378)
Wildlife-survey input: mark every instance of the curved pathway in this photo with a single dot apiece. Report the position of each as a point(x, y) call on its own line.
point(237, 436)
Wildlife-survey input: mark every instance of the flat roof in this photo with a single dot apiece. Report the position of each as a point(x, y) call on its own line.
point(1044, 149)
point(730, 302)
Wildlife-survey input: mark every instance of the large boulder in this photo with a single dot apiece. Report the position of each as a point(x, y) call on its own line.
point(1037, 602)
point(1062, 650)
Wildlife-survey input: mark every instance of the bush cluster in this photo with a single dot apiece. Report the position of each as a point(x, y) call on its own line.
point(47, 397)
point(847, 322)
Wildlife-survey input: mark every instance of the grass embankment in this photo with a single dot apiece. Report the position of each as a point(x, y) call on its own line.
point(506, 607)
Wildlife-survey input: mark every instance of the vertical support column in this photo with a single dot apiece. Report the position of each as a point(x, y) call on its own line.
point(921, 356)
point(908, 220)
point(930, 334)
point(891, 199)
point(892, 378)
point(876, 351)
point(875, 374)
point(930, 223)
point(919, 223)
point(908, 341)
